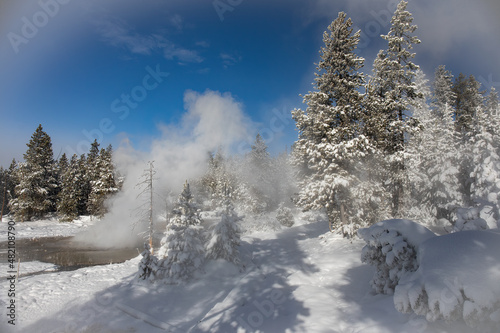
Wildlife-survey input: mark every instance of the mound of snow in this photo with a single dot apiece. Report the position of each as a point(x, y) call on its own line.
point(458, 278)
point(391, 246)
point(480, 217)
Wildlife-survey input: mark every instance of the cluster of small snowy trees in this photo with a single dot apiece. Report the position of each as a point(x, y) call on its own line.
point(389, 145)
point(188, 242)
point(41, 185)
point(258, 183)
point(255, 184)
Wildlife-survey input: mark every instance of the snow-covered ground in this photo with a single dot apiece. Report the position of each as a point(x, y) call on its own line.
point(299, 279)
point(46, 228)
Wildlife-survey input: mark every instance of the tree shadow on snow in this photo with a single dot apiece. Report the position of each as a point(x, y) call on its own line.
point(367, 309)
point(263, 300)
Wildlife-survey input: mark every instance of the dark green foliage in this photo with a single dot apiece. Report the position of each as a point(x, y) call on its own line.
point(37, 183)
point(468, 100)
point(103, 183)
point(40, 185)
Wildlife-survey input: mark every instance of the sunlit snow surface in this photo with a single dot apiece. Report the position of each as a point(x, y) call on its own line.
point(299, 279)
point(47, 228)
point(458, 278)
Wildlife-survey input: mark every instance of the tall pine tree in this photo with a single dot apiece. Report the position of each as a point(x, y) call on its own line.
point(390, 93)
point(67, 207)
point(104, 184)
point(258, 178)
point(182, 252)
point(37, 185)
point(330, 144)
point(468, 102)
point(485, 174)
point(433, 156)
point(3, 192)
point(224, 240)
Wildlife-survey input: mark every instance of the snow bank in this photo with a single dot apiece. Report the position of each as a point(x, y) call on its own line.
point(27, 268)
point(48, 228)
point(457, 278)
point(480, 217)
point(391, 246)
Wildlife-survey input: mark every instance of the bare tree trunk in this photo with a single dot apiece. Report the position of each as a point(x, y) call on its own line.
point(3, 202)
point(151, 206)
point(343, 218)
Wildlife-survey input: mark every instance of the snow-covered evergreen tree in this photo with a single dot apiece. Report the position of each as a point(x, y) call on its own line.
point(61, 167)
point(284, 215)
point(254, 174)
point(104, 184)
point(67, 207)
point(391, 247)
point(224, 239)
point(187, 212)
point(37, 183)
point(492, 104)
point(432, 156)
point(91, 173)
point(390, 93)
point(92, 159)
point(83, 187)
point(443, 97)
point(259, 156)
point(8, 185)
point(468, 101)
point(214, 179)
point(331, 144)
point(283, 178)
point(485, 185)
point(3, 192)
point(148, 266)
point(259, 175)
point(182, 252)
point(11, 184)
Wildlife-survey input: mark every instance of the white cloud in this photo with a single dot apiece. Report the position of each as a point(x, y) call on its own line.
point(172, 51)
point(117, 33)
point(203, 43)
point(177, 21)
point(443, 25)
point(230, 59)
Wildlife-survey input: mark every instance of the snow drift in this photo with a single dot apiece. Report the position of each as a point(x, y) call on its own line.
point(457, 279)
point(392, 248)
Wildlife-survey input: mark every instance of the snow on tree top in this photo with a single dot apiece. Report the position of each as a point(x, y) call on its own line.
point(413, 232)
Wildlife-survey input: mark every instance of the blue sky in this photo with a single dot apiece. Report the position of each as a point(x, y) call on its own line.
point(121, 71)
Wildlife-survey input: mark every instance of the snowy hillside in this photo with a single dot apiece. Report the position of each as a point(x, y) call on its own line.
point(299, 279)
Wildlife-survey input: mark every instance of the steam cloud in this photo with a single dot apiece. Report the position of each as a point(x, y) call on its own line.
point(212, 120)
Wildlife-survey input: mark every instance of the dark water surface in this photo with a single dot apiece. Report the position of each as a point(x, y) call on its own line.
point(65, 253)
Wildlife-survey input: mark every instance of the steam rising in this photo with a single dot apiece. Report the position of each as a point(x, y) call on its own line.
point(211, 120)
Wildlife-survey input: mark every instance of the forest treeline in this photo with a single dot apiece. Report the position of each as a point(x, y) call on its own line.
point(391, 145)
point(70, 187)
